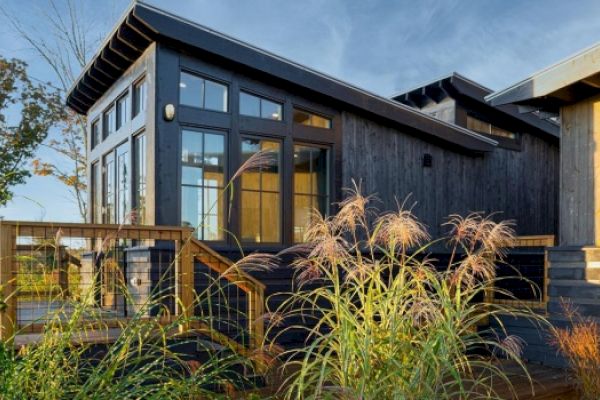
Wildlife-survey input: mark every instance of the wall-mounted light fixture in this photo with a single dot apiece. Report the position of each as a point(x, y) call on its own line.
point(169, 113)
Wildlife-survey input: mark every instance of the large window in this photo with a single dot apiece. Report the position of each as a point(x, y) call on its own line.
point(140, 89)
point(109, 188)
point(260, 107)
point(311, 181)
point(95, 136)
point(109, 121)
point(139, 165)
point(196, 91)
point(307, 118)
point(123, 185)
point(261, 194)
point(480, 126)
point(202, 183)
point(96, 193)
point(122, 110)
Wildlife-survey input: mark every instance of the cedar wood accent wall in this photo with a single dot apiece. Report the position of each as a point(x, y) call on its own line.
point(523, 185)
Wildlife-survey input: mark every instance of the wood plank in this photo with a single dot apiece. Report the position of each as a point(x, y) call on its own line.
point(8, 317)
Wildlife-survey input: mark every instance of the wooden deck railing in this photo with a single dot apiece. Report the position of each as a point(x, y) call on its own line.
point(44, 266)
point(538, 241)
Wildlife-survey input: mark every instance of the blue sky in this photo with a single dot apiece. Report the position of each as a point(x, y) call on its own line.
point(384, 46)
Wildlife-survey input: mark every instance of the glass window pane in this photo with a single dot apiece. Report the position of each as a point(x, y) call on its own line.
point(213, 215)
point(191, 147)
point(191, 176)
point(123, 186)
point(302, 210)
point(122, 111)
point(250, 223)
point(191, 206)
point(140, 178)
point(310, 119)
point(271, 110)
point(139, 97)
point(270, 213)
point(250, 179)
point(109, 189)
point(191, 90)
point(320, 171)
point(214, 160)
point(270, 173)
point(96, 193)
point(302, 177)
point(249, 105)
point(215, 96)
point(96, 137)
point(109, 121)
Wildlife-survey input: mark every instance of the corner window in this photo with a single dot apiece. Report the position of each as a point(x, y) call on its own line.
point(95, 136)
point(311, 186)
point(203, 183)
point(255, 106)
point(261, 194)
point(307, 118)
point(122, 110)
point(199, 92)
point(140, 89)
point(109, 121)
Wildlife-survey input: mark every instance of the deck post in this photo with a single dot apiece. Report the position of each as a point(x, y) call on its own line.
point(8, 298)
point(185, 282)
point(256, 310)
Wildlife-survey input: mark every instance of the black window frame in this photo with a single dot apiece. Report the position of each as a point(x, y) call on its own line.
point(106, 125)
point(122, 99)
point(281, 192)
point(205, 77)
point(261, 98)
point(95, 136)
point(142, 81)
point(296, 107)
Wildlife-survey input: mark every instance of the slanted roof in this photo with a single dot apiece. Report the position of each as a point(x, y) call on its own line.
point(566, 82)
point(455, 84)
point(143, 24)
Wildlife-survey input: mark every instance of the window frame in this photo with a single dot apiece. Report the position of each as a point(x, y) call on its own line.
point(123, 98)
point(211, 131)
point(141, 218)
point(95, 140)
point(328, 178)
point(105, 121)
point(141, 81)
point(307, 110)
point(281, 192)
point(261, 98)
point(205, 78)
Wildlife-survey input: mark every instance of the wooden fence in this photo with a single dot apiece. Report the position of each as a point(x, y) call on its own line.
point(46, 266)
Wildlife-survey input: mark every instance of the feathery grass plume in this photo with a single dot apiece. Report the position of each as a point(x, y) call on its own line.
point(384, 325)
point(258, 160)
point(400, 229)
point(579, 343)
point(254, 262)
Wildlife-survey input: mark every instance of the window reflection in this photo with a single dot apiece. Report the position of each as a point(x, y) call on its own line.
point(203, 180)
point(199, 92)
point(261, 199)
point(311, 192)
point(307, 118)
point(255, 106)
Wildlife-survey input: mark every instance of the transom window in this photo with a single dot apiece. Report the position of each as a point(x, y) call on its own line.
point(480, 126)
point(255, 106)
point(261, 194)
point(202, 183)
point(311, 185)
point(196, 91)
point(307, 118)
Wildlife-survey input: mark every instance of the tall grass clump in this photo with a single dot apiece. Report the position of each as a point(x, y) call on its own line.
point(579, 343)
point(386, 322)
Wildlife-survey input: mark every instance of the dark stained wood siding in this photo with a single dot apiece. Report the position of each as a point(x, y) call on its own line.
point(522, 185)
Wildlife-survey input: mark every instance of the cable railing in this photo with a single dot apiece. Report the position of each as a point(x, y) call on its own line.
point(113, 273)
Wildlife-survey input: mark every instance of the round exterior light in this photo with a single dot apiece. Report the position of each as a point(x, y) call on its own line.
point(169, 113)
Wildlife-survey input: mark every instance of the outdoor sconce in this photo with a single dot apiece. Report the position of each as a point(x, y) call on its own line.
point(169, 113)
point(135, 282)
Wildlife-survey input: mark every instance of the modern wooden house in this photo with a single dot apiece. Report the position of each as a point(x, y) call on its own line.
point(174, 109)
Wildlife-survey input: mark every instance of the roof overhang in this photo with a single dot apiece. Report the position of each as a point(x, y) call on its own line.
point(455, 85)
point(143, 24)
point(566, 82)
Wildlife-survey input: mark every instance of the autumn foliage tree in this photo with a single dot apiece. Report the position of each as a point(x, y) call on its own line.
point(27, 111)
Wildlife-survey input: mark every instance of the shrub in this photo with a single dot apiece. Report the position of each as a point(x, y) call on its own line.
point(386, 322)
point(580, 345)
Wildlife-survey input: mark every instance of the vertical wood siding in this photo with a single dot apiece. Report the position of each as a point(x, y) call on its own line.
point(519, 185)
